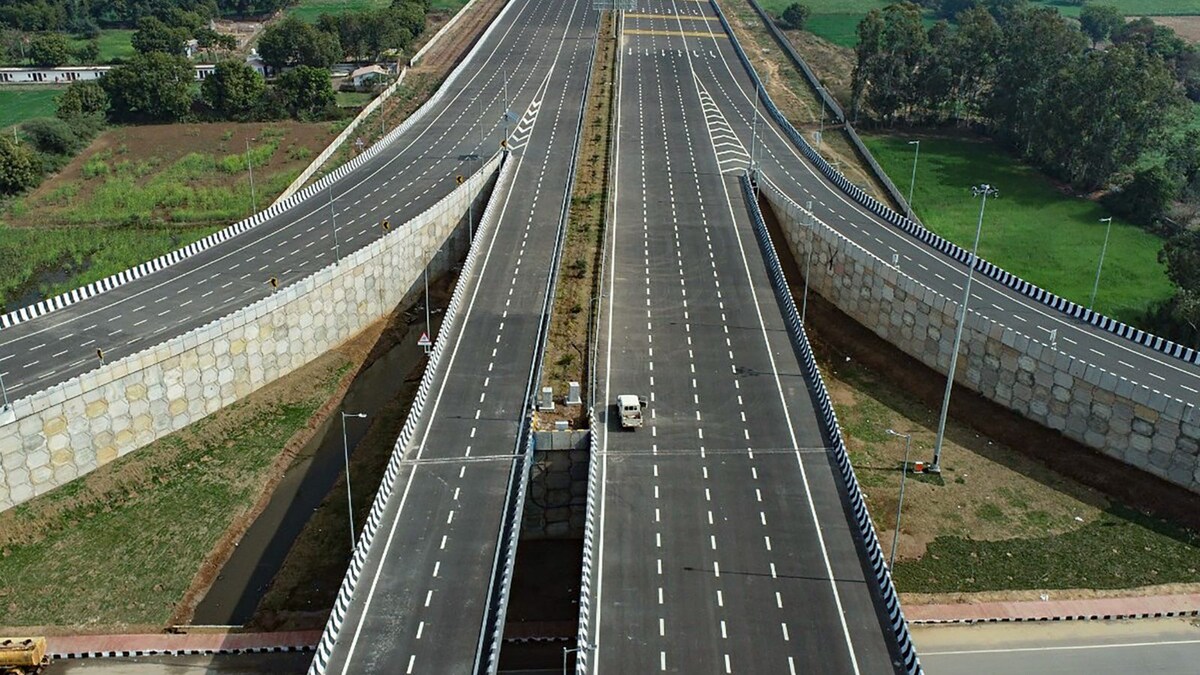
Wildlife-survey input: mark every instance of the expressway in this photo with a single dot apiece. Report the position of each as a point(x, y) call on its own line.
point(416, 170)
point(733, 94)
point(421, 602)
point(724, 541)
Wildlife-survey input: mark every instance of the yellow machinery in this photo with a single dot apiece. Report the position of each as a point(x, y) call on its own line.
point(23, 656)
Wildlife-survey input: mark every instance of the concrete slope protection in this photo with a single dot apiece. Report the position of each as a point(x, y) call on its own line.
point(724, 540)
point(995, 294)
point(426, 578)
point(397, 179)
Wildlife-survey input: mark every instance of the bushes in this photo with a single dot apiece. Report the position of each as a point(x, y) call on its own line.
point(19, 167)
point(53, 136)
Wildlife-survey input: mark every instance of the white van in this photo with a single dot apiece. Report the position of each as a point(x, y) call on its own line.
point(630, 407)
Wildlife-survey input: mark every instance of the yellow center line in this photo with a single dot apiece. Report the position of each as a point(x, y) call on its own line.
point(684, 33)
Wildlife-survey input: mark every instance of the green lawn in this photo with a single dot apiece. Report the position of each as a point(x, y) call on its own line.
point(18, 104)
point(1132, 7)
point(115, 43)
point(1033, 229)
point(354, 99)
point(447, 5)
point(309, 10)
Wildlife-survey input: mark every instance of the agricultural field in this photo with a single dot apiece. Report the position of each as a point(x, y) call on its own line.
point(18, 104)
point(309, 10)
point(139, 192)
point(115, 44)
point(1033, 230)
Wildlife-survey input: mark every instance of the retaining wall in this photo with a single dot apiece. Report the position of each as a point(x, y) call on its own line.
point(1154, 432)
point(70, 429)
point(558, 486)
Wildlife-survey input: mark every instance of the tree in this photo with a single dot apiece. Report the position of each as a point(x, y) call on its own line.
point(1181, 255)
point(1098, 22)
point(795, 16)
point(305, 91)
point(233, 90)
point(50, 50)
point(949, 9)
point(891, 47)
point(81, 98)
point(1151, 37)
point(155, 36)
point(1147, 195)
point(153, 87)
point(88, 53)
point(19, 167)
point(293, 42)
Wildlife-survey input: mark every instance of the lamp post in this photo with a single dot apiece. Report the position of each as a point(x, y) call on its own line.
point(821, 137)
point(754, 121)
point(337, 253)
point(574, 650)
point(250, 168)
point(913, 181)
point(346, 457)
point(983, 191)
point(4, 395)
point(900, 505)
point(1100, 265)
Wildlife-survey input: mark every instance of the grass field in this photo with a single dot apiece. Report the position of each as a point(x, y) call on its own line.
point(115, 43)
point(121, 545)
point(309, 10)
point(1033, 229)
point(999, 520)
point(18, 104)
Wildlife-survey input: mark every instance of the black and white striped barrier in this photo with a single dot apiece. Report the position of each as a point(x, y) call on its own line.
point(133, 653)
point(940, 244)
point(342, 604)
point(883, 578)
point(1120, 616)
point(583, 638)
point(95, 288)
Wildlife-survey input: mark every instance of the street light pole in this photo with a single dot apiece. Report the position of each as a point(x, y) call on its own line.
point(4, 395)
point(1100, 265)
point(337, 253)
point(574, 650)
point(983, 191)
point(346, 457)
point(506, 111)
point(250, 168)
point(900, 505)
point(913, 181)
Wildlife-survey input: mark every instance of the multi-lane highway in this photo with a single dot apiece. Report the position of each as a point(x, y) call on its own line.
point(411, 174)
point(733, 93)
point(724, 542)
point(421, 600)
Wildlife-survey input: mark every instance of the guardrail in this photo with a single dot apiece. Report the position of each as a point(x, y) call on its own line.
point(342, 604)
point(918, 231)
point(162, 262)
point(829, 423)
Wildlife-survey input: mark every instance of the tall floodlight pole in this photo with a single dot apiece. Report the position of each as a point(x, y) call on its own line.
point(337, 253)
point(983, 191)
point(899, 505)
point(346, 457)
point(4, 395)
point(821, 135)
point(506, 111)
point(250, 168)
point(1100, 265)
point(913, 181)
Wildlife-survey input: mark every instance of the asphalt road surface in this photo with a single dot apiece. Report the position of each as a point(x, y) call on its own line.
point(733, 94)
point(420, 603)
point(1068, 648)
point(725, 544)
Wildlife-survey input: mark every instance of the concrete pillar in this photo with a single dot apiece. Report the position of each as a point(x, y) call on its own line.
point(573, 394)
point(546, 404)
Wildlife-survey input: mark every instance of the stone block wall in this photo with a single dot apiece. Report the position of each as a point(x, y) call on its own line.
point(556, 502)
point(1154, 432)
point(66, 431)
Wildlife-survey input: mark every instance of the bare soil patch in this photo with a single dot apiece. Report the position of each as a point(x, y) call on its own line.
point(1187, 27)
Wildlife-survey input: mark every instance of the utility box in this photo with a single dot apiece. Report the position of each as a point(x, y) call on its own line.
point(546, 403)
point(573, 394)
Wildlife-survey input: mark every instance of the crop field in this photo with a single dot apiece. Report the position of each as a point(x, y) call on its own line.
point(18, 104)
point(1033, 230)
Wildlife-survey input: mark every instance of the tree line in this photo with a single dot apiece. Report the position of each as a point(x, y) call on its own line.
point(84, 17)
point(1101, 103)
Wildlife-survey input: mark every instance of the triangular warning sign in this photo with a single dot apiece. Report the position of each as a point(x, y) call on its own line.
point(424, 341)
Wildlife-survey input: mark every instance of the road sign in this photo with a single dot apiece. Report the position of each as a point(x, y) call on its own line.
point(424, 340)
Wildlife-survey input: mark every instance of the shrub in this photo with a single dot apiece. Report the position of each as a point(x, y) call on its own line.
point(52, 135)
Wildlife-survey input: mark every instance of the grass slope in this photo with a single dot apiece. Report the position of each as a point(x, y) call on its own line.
point(1033, 230)
point(18, 104)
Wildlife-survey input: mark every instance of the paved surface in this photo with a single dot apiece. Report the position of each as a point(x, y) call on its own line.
point(420, 603)
point(418, 169)
point(63, 645)
point(226, 664)
point(1092, 648)
point(724, 542)
point(733, 93)
point(1187, 604)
